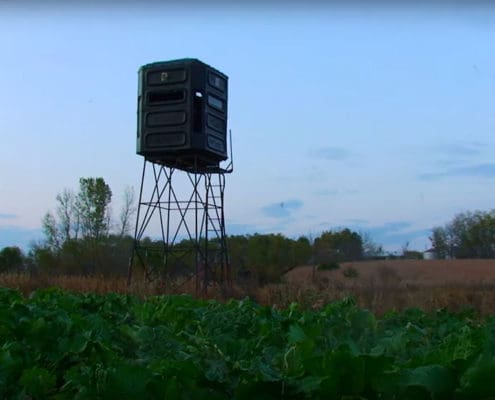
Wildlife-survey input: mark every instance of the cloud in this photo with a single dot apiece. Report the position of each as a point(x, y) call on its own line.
point(283, 209)
point(331, 153)
point(335, 192)
point(456, 155)
point(486, 170)
point(461, 149)
point(8, 216)
point(395, 226)
point(357, 221)
point(327, 192)
point(240, 229)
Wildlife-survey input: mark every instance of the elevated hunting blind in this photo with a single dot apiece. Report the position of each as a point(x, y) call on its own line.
point(182, 114)
point(182, 135)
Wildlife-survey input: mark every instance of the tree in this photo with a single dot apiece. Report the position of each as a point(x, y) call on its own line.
point(340, 246)
point(302, 251)
point(68, 224)
point(87, 212)
point(51, 231)
point(468, 235)
point(265, 258)
point(370, 248)
point(11, 259)
point(93, 202)
point(42, 259)
point(128, 211)
point(77, 235)
point(68, 215)
point(440, 243)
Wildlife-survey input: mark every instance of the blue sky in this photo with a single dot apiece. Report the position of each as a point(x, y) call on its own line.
point(378, 119)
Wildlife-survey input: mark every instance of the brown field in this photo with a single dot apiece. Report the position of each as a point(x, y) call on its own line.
point(377, 285)
point(398, 284)
point(425, 273)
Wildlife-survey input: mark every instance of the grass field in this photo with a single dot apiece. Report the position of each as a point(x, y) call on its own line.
point(408, 272)
point(376, 285)
point(398, 284)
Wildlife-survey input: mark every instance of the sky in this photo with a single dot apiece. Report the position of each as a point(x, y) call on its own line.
point(379, 119)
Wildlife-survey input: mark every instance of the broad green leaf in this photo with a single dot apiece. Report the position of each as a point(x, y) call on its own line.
point(479, 380)
point(296, 334)
point(37, 382)
point(435, 379)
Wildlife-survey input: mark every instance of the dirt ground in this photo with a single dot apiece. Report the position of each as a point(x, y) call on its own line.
point(424, 273)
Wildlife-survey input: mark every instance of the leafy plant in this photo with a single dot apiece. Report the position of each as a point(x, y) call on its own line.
point(63, 345)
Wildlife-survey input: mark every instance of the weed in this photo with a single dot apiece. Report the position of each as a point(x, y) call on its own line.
point(330, 266)
point(350, 272)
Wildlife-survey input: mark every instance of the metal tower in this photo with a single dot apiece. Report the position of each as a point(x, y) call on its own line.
point(187, 208)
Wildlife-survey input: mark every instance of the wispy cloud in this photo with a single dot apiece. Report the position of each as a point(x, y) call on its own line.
point(283, 209)
point(465, 149)
point(8, 216)
point(331, 153)
point(327, 192)
point(357, 221)
point(335, 192)
point(455, 155)
point(486, 170)
point(241, 229)
point(394, 226)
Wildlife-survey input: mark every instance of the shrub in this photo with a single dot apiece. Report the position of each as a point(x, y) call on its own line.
point(329, 266)
point(350, 272)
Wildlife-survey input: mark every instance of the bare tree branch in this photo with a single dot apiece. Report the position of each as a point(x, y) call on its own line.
point(128, 211)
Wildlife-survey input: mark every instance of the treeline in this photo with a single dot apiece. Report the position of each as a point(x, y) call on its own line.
point(260, 258)
point(75, 257)
point(82, 238)
point(265, 258)
point(468, 235)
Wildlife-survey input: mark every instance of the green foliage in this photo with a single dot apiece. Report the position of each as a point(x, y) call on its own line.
point(11, 259)
point(37, 382)
point(62, 345)
point(468, 235)
point(340, 246)
point(255, 259)
point(50, 229)
point(43, 259)
point(266, 258)
point(92, 202)
point(78, 238)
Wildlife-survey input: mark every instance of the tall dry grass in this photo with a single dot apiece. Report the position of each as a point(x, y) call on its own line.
point(28, 283)
point(380, 290)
